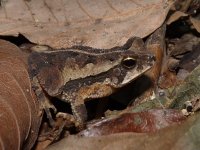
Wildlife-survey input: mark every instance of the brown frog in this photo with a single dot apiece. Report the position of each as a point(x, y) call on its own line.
point(78, 74)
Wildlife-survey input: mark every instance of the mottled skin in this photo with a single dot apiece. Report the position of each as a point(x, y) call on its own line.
point(82, 73)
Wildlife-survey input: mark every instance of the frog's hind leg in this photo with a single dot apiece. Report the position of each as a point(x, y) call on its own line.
point(45, 103)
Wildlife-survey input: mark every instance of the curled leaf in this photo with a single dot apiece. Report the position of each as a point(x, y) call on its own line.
point(19, 108)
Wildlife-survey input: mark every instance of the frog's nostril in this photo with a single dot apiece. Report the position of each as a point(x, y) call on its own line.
point(151, 58)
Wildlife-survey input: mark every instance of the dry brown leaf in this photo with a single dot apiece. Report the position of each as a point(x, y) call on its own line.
point(19, 109)
point(64, 23)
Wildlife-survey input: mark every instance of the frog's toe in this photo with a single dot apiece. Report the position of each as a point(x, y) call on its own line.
point(80, 126)
point(49, 105)
point(65, 116)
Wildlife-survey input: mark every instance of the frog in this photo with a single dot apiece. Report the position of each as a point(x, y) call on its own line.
point(81, 73)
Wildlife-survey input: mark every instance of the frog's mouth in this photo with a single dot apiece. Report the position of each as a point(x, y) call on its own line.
point(134, 74)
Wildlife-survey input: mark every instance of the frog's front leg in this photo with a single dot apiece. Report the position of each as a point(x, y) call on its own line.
point(79, 96)
point(78, 108)
point(45, 104)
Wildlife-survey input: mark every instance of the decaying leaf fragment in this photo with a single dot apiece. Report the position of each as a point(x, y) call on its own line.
point(141, 122)
point(196, 23)
point(175, 16)
point(188, 90)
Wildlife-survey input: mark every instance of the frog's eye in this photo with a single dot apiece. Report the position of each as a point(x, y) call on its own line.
point(129, 62)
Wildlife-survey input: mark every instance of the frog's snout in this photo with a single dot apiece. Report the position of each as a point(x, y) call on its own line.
point(151, 59)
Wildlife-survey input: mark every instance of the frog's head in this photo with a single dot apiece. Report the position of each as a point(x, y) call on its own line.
point(133, 62)
point(131, 67)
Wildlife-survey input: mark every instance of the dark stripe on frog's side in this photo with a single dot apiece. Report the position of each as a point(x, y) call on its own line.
point(75, 84)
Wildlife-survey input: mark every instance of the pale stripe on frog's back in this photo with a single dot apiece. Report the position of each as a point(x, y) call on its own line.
point(90, 69)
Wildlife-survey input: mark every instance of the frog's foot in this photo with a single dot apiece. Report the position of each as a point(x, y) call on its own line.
point(65, 116)
point(63, 120)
